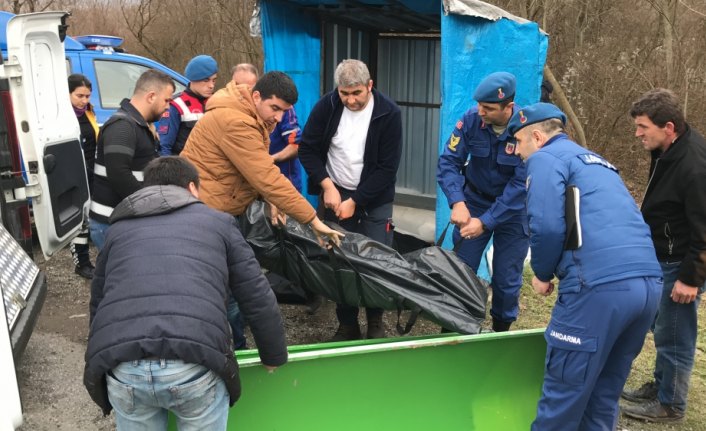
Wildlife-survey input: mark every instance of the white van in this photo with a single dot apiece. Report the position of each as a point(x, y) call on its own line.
point(40, 161)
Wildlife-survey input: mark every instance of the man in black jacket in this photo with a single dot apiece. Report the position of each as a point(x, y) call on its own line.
point(351, 148)
point(126, 143)
point(159, 337)
point(674, 207)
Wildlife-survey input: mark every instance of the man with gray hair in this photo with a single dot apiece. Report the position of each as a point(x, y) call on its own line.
point(350, 149)
point(245, 73)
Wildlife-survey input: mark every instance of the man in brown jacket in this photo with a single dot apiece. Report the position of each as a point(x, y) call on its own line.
point(230, 148)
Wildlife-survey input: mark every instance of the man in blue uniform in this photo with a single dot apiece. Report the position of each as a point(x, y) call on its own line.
point(487, 193)
point(187, 107)
point(588, 232)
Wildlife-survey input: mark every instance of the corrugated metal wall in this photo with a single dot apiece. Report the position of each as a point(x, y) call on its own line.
point(407, 70)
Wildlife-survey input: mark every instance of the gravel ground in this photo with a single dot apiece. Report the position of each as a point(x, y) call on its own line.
point(50, 374)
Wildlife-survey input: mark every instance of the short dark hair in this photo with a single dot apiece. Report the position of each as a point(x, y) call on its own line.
point(170, 170)
point(661, 106)
point(277, 84)
point(506, 102)
point(153, 80)
point(77, 80)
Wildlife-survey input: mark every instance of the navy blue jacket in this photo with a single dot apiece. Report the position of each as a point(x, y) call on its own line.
point(383, 148)
point(493, 169)
point(161, 285)
point(616, 240)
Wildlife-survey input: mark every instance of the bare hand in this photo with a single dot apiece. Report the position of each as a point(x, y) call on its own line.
point(270, 369)
point(277, 217)
point(544, 288)
point(346, 209)
point(683, 293)
point(460, 216)
point(332, 198)
point(324, 233)
point(473, 229)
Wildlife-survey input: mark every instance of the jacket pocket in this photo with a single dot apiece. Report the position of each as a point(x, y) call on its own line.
point(479, 148)
point(569, 355)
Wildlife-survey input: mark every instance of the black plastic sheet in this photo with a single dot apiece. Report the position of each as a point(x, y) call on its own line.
point(362, 272)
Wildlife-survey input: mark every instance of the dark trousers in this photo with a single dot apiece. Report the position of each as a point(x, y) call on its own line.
point(376, 224)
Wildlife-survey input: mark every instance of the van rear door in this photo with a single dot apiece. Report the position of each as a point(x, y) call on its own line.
point(47, 127)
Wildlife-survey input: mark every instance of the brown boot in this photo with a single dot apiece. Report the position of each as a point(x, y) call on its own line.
point(346, 333)
point(376, 328)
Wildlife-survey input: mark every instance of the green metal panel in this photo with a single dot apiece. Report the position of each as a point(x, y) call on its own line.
point(475, 382)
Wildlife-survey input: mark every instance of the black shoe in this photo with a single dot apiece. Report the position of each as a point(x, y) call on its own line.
point(500, 326)
point(646, 392)
point(346, 333)
point(313, 304)
point(85, 271)
point(653, 411)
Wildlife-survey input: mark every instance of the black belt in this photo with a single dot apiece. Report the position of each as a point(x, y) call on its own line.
point(477, 191)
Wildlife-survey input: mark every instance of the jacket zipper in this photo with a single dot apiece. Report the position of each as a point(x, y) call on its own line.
point(670, 241)
point(654, 171)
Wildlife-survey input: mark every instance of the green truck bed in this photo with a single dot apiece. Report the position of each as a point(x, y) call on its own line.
point(475, 382)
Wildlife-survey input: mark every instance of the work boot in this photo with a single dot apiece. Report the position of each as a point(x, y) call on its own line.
point(646, 392)
point(500, 326)
point(85, 270)
point(376, 329)
point(346, 333)
point(653, 411)
point(313, 303)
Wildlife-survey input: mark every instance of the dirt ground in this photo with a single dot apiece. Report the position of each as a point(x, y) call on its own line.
point(50, 375)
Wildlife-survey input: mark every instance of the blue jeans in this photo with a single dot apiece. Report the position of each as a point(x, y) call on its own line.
point(141, 392)
point(237, 324)
point(98, 232)
point(675, 339)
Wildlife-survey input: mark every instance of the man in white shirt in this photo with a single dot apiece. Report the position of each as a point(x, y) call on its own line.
point(350, 149)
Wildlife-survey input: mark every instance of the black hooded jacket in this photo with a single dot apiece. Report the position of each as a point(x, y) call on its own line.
point(675, 206)
point(161, 285)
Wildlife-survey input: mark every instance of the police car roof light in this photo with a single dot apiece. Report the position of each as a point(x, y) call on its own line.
point(94, 41)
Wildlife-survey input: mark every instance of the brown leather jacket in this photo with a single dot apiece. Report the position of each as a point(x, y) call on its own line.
point(229, 146)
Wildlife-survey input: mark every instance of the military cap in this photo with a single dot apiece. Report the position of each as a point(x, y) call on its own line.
point(496, 88)
point(533, 114)
point(201, 67)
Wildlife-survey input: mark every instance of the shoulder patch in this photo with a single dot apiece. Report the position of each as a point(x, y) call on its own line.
point(459, 124)
point(163, 129)
point(453, 142)
point(595, 159)
point(166, 114)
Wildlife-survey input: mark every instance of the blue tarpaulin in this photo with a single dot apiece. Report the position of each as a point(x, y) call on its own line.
point(471, 48)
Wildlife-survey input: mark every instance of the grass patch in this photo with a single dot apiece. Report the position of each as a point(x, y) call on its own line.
point(535, 312)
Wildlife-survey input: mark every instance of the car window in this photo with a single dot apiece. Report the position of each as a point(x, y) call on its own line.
point(116, 81)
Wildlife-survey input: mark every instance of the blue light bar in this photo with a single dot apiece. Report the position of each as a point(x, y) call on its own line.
point(98, 41)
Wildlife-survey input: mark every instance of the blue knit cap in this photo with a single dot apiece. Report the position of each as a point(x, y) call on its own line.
point(495, 88)
point(200, 67)
point(533, 114)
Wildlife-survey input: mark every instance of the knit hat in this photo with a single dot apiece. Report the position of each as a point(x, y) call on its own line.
point(200, 67)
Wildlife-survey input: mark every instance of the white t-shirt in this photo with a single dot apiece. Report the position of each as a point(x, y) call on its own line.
point(345, 155)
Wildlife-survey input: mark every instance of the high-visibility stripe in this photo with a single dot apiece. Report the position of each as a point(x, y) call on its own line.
point(101, 209)
point(101, 171)
point(186, 114)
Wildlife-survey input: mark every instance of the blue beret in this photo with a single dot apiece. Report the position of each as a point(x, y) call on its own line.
point(533, 114)
point(200, 67)
point(495, 88)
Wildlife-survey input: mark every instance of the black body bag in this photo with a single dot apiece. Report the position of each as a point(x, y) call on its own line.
point(361, 272)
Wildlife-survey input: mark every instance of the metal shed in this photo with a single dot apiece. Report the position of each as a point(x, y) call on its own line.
point(426, 55)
